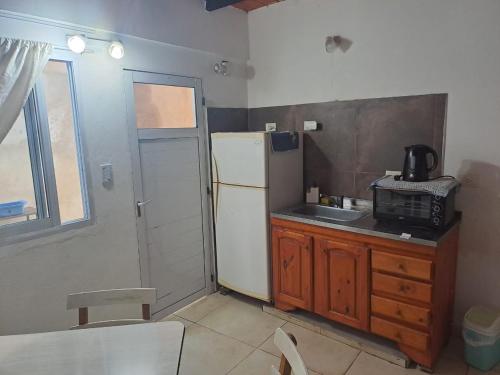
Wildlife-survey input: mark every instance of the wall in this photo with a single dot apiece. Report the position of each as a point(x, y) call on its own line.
point(403, 47)
point(180, 22)
point(359, 139)
point(227, 120)
point(36, 275)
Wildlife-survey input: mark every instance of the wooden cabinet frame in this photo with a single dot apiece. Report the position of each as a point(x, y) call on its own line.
point(341, 289)
point(413, 292)
point(292, 265)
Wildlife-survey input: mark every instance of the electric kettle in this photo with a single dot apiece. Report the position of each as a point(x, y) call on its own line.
point(415, 168)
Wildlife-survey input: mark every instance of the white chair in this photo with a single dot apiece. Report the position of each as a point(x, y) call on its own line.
point(82, 301)
point(290, 357)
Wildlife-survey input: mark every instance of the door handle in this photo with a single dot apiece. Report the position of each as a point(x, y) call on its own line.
point(140, 205)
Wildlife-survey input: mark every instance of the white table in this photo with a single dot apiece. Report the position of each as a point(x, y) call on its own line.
point(139, 349)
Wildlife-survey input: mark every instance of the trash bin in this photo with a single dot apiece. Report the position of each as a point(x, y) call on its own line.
point(481, 332)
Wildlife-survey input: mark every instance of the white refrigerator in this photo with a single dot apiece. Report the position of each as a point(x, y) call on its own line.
point(250, 179)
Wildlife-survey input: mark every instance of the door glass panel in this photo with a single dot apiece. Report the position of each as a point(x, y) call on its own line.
point(16, 178)
point(164, 107)
point(63, 141)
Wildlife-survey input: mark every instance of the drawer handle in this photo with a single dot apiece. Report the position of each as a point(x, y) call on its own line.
point(286, 262)
point(402, 267)
point(399, 313)
point(398, 336)
point(404, 288)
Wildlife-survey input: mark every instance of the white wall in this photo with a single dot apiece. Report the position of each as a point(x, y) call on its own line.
point(36, 276)
point(180, 22)
point(402, 47)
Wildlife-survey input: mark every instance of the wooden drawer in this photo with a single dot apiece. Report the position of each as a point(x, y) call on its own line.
point(402, 311)
point(403, 335)
point(401, 287)
point(402, 265)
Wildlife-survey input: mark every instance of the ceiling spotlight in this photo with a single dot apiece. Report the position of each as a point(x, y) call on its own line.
point(76, 43)
point(116, 50)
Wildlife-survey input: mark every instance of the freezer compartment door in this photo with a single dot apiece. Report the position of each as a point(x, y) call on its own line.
point(240, 158)
point(242, 232)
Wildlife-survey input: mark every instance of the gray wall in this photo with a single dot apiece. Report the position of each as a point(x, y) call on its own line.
point(37, 275)
point(180, 22)
point(227, 120)
point(359, 139)
point(403, 47)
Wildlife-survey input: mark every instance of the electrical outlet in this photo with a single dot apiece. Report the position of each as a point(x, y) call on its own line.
point(271, 127)
point(310, 126)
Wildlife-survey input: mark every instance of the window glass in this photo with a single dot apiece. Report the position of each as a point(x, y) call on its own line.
point(162, 106)
point(16, 179)
point(58, 99)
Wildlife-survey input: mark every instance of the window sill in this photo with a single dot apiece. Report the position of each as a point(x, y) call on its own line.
point(13, 239)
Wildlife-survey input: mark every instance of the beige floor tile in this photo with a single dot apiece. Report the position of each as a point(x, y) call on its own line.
point(454, 349)
point(473, 371)
point(242, 320)
point(320, 353)
point(368, 364)
point(450, 366)
point(175, 318)
point(199, 309)
point(259, 362)
point(209, 353)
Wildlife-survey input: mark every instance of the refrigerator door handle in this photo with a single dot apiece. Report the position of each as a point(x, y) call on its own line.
point(216, 186)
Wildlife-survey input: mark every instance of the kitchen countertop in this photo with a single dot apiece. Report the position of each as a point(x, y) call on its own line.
point(369, 226)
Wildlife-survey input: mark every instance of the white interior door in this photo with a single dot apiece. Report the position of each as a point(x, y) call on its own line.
point(168, 144)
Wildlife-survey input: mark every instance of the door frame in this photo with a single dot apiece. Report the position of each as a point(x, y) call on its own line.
point(200, 132)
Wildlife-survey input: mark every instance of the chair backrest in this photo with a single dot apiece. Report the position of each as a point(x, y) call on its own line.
point(82, 301)
point(290, 358)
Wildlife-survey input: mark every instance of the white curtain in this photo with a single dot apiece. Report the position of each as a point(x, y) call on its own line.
point(21, 63)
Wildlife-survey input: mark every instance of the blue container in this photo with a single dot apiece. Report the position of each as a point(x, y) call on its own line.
point(12, 208)
point(481, 332)
point(482, 357)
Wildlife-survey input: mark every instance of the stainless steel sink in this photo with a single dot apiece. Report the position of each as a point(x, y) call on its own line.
point(329, 213)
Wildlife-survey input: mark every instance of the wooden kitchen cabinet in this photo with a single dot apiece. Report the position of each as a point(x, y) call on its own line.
point(341, 282)
point(292, 269)
point(400, 290)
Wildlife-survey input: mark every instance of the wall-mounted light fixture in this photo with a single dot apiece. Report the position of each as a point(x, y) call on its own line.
point(77, 44)
point(116, 50)
point(222, 68)
point(337, 42)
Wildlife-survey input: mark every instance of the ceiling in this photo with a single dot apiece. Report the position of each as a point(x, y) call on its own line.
point(249, 5)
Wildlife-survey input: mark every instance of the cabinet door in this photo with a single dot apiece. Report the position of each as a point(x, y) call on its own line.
point(341, 282)
point(292, 269)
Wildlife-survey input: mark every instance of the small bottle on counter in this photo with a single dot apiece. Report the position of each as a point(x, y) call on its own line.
point(312, 195)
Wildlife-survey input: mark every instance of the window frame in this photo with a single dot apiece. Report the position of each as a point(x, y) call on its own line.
point(48, 220)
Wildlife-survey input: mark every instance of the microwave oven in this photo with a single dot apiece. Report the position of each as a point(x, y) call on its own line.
point(414, 208)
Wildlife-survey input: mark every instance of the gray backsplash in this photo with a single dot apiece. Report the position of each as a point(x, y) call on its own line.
point(227, 120)
point(359, 139)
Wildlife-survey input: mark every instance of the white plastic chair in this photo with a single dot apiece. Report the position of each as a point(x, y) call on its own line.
point(290, 357)
point(82, 301)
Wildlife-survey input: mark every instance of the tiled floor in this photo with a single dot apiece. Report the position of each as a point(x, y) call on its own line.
point(232, 335)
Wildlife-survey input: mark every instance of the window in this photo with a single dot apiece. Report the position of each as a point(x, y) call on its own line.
point(165, 107)
point(41, 167)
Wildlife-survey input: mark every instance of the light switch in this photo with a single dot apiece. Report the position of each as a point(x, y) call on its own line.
point(107, 175)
